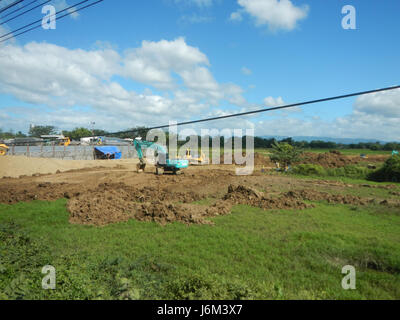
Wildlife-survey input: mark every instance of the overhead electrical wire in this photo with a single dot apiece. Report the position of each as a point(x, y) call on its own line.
point(22, 13)
point(266, 109)
point(10, 5)
point(16, 10)
point(180, 123)
point(12, 35)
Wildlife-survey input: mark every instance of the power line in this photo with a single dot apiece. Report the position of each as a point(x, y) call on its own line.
point(22, 13)
point(267, 109)
point(37, 21)
point(40, 20)
point(10, 5)
point(20, 8)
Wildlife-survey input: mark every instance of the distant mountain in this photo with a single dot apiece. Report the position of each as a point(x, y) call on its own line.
point(326, 139)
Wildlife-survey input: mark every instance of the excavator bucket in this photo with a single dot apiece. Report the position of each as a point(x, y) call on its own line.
point(3, 149)
point(141, 166)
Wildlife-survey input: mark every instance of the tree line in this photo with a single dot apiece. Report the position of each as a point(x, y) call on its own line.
point(78, 133)
point(319, 144)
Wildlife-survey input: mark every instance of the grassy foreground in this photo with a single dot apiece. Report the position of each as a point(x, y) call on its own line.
point(250, 254)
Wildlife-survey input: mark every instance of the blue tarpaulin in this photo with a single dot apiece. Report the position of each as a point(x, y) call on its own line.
point(107, 152)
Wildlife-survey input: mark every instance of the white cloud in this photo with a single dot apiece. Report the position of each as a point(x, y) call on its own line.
point(277, 14)
point(374, 116)
point(273, 102)
point(62, 4)
point(60, 79)
point(154, 62)
point(69, 88)
point(386, 104)
point(246, 71)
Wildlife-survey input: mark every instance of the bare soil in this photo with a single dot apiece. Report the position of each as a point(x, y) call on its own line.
point(101, 195)
point(335, 159)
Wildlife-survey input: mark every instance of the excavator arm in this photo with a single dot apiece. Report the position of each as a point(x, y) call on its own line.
point(164, 163)
point(140, 144)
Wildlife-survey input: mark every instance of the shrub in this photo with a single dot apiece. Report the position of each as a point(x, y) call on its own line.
point(285, 153)
point(389, 172)
point(350, 171)
point(309, 170)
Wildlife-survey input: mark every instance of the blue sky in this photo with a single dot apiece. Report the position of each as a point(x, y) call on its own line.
point(125, 63)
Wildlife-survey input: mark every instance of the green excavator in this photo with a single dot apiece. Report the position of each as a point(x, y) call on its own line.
point(164, 162)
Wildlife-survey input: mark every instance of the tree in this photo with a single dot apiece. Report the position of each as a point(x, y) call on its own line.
point(285, 154)
point(99, 132)
point(38, 131)
point(288, 140)
point(78, 133)
point(19, 134)
point(390, 171)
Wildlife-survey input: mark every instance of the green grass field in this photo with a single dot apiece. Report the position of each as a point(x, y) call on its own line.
point(250, 254)
point(355, 152)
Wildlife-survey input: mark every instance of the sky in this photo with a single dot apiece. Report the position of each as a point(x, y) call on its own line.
point(123, 64)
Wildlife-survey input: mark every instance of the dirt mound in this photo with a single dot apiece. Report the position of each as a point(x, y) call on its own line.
point(374, 158)
point(332, 159)
point(111, 208)
point(110, 203)
point(15, 193)
point(312, 195)
point(245, 195)
point(243, 192)
point(259, 159)
point(164, 212)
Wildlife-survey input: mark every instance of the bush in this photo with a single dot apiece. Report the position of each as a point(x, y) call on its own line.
point(309, 170)
point(285, 154)
point(350, 171)
point(203, 287)
point(389, 172)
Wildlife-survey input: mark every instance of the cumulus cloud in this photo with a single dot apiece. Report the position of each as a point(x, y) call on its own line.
point(374, 116)
point(386, 104)
point(276, 14)
point(273, 102)
point(62, 4)
point(58, 78)
point(3, 31)
point(68, 88)
point(154, 62)
point(246, 71)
